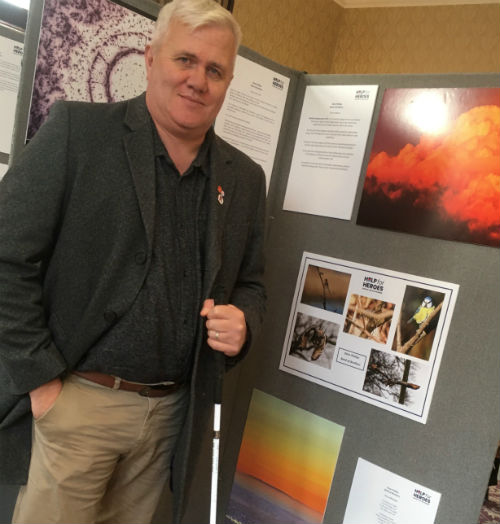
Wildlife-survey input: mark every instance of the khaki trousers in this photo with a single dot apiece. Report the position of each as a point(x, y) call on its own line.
point(100, 456)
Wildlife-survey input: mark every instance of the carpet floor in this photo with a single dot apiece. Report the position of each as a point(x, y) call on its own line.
point(490, 511)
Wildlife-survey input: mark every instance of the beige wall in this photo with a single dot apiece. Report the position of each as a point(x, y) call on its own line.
point(440, 39)
point(319, 36)
point(296, 33)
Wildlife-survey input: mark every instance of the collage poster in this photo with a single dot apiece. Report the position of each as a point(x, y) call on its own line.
point(374, 334)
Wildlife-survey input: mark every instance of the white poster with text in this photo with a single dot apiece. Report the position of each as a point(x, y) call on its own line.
point(329, 149)
point(250, 118)
point(379, 496)
point(11, 55)
point(371, 333)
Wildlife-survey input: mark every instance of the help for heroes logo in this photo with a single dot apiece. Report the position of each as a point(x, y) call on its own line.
point(421, 495)
point(373, 284)
point(278, 83)
point(362, 94)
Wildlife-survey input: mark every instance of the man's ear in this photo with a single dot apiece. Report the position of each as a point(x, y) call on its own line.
point(148, 57)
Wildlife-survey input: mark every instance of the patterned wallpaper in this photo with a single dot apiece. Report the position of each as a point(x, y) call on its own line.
point(296, 33)
point(442, 39)
point(319, 36)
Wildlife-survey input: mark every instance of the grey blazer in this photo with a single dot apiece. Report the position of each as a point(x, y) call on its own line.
point(76, 230)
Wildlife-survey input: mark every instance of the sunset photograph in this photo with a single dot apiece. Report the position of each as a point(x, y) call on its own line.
point(285, 466)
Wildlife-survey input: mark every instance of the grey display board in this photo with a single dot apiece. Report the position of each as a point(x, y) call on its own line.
point(453, 451)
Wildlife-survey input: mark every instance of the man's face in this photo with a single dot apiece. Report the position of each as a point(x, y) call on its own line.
point(188, 75)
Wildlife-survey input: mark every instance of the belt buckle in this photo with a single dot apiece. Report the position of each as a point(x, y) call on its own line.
point(145, 391)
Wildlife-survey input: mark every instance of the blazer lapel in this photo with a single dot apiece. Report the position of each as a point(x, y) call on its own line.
point(221, 191)
point(140, 154)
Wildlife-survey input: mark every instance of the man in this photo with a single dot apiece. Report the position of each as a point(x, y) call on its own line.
point(130, 254)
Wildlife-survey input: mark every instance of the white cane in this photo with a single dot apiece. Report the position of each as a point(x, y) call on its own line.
point(219, 370)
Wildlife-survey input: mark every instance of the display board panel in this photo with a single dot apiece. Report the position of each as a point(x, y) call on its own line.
point(451, 454)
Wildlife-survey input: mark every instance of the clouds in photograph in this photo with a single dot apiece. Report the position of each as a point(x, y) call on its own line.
point(434, 168)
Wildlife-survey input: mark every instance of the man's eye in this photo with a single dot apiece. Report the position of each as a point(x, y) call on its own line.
point(184, 60)
point(214, 72)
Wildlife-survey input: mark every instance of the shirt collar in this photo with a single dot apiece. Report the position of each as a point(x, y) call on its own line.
point(202, 159)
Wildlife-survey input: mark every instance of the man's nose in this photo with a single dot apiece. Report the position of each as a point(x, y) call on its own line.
point(198, 79)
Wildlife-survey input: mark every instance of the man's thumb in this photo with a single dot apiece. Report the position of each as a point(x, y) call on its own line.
point(208, 304)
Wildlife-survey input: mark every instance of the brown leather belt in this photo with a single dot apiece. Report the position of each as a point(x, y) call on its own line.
point(145, 390)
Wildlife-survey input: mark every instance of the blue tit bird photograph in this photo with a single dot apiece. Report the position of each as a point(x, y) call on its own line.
point(420, 307)
point(423, 311)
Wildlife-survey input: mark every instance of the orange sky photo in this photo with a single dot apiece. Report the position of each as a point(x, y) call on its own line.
point(434, 168)
point(290, 449)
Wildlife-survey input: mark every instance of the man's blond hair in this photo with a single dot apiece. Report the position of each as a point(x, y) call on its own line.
point(195, 14)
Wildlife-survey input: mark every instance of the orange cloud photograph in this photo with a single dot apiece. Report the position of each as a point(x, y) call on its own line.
point(434, 168)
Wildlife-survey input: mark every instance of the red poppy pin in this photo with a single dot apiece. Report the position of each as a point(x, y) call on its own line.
point(220, 196)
